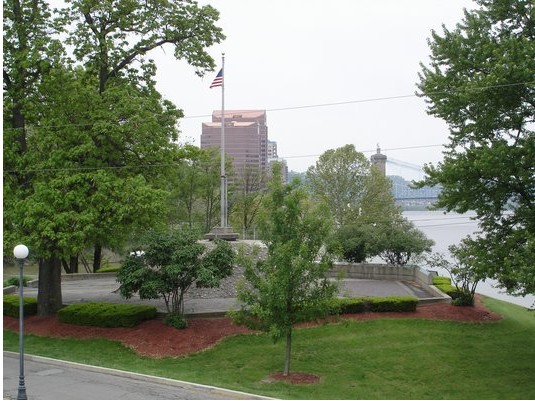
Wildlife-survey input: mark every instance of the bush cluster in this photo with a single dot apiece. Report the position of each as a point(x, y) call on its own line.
point(392, 304)
point(372, 304)
point(102, 314)
point(441, 280)
point(346, 305)
point(175, 320)
point(458, 298)
point(109, 269)
point(15, 281)
point(444, 285)
point(463, 299)
point(11, 306)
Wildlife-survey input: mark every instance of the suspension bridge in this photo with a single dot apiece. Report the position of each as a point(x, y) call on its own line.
point(404, 190)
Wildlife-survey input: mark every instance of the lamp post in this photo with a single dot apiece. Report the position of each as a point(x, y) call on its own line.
point(21, 253)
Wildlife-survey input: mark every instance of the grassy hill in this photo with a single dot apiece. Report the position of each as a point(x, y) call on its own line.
point(375, 359)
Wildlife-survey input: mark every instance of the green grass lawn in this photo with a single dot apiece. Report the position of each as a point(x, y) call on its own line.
point(377, 359)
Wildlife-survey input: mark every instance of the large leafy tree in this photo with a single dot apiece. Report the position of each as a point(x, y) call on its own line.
point(29, 54)
point(480, 80)
point(344, 179)
point(397, 241)
point(88, 147)
point(113, 38)
point(360, 202)
point(290, 285)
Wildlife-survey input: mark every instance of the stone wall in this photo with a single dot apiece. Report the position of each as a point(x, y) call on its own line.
point(376, 271)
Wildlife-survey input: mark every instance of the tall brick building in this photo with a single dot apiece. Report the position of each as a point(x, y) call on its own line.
point(246, 138)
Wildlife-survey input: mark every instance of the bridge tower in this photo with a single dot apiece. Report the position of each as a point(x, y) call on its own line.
point(379, 161)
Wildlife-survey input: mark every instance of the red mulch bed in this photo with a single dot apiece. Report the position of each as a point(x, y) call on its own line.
point(154, 339)
point(295, 378)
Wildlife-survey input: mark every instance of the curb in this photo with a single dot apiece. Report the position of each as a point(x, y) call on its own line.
point(231, 394)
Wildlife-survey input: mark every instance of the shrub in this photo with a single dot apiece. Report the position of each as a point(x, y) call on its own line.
point(175, 320)
point(449, 289)
point(440, 280)
point(106, 315)
point(346, 305)
point(109, 269)
point(392, 304)
point(11, 306)
point(15, 281)
point(373, 304)
point(463, 299)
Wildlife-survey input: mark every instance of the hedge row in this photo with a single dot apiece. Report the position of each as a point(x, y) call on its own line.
point(106, 315)
point(444, 285)
point(372, 304)
point(11, 306)
point(441, 280)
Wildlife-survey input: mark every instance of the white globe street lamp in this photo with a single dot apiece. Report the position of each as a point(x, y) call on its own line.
point(21, 252)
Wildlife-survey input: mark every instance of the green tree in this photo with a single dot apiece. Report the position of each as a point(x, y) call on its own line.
point(464, 270)
point(290, 285)
point(29, 54)
point(194, 187)
point(96, 132)
point(169, 263)
point(397, 241)
point(481, 82)
point(247, 200)
point(352, 242)
point(185, 187)
point(359, 198)
point(113, 38)
point(76, 198)
point(340, 179)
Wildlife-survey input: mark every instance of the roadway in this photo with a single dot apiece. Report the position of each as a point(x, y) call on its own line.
point(50, 379)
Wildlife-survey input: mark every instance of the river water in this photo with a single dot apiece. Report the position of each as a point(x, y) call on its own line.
point(449, 228)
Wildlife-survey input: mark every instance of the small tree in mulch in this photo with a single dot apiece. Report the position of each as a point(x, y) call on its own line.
point(290, 285)
point(464, 271)
point(170, 263)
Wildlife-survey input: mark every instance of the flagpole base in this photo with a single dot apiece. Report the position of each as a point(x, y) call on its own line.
point(224, 233)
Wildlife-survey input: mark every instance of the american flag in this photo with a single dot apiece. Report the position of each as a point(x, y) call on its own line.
point(218, 80)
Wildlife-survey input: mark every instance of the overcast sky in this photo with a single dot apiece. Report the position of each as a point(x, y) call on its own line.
point(281, 54)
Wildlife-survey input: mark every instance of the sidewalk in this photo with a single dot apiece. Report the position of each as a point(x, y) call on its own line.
point(104, 289)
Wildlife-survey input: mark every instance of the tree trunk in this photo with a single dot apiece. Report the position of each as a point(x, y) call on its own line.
point(73, 264)
point(66, 266)
point(49, 299)
point(97, 257)
point(288, 353)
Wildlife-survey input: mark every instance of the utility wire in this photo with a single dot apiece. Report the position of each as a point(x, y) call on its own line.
point(310, 106)
point(376, 99)
point(81, 168)
point(370, 151)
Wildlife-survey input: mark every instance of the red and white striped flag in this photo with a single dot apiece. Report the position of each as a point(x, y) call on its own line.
point(218, 80)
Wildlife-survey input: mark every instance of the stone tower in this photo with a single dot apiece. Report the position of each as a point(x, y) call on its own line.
point(379, 161)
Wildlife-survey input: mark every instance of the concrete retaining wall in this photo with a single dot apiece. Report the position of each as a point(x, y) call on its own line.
point(86, 276)
point(376, 271)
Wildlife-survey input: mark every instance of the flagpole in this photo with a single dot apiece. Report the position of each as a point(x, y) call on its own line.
point(223, 175)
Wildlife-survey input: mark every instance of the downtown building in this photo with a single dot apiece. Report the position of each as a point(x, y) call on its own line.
point(246, 139)
point(246, 142)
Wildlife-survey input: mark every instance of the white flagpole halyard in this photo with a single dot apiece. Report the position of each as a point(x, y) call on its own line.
point(223, 174)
